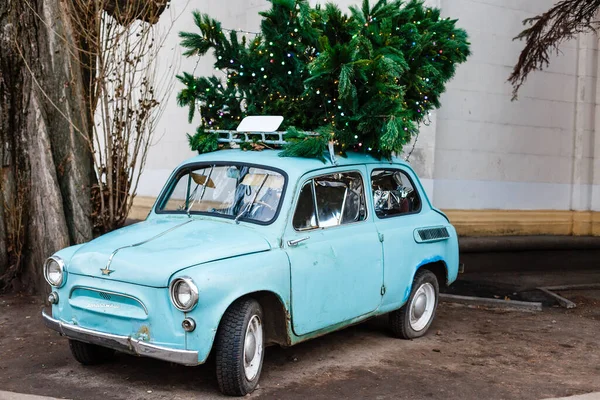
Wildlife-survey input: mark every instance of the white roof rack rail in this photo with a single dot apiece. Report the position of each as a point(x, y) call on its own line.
point(237, 137)
point(262, 129)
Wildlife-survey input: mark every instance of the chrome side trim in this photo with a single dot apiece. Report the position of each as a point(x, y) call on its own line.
point(109, 292)
point(125, 344)
point(143, 242)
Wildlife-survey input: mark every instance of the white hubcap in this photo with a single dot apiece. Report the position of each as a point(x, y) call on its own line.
point(422, 307)
point(253, 347)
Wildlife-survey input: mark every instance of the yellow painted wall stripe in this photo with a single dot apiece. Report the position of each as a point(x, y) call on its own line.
point(525, 222)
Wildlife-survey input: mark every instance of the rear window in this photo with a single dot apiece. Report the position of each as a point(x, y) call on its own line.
point(394, 193)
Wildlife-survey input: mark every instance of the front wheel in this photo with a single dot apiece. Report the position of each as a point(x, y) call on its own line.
point(415, 317)
point(239, 348)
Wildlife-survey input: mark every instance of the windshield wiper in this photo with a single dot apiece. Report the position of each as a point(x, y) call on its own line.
point(249, 205)
point(203, 190)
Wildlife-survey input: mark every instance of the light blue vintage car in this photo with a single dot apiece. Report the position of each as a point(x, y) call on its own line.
point(245, 249)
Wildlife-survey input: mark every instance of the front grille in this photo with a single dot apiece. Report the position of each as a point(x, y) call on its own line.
point(431, 234)
point(107, 302)
point(105, 296)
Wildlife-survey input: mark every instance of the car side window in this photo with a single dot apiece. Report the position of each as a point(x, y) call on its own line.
point(331, 200)
point(394, 193)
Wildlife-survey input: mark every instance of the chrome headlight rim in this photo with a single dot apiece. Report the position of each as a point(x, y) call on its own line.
point(63, 271)
point(193, 289)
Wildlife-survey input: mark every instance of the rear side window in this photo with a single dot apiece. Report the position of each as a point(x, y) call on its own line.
point(394, 193)
point(331, 200)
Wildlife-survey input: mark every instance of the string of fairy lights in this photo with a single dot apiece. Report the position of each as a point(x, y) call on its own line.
point(273, 60)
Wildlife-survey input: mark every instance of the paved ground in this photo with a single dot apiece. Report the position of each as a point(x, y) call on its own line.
point(18, 396)
point(470, 354)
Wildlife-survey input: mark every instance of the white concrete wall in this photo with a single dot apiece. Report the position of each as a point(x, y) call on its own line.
point(530, 154)
point(481, 150)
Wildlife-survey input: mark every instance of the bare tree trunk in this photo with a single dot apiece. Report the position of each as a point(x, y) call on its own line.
point(47, 179)
point(4, 177)
point(71, 140)
point(47, 100)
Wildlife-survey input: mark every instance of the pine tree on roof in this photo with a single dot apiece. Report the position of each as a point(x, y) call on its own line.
point(365, 80)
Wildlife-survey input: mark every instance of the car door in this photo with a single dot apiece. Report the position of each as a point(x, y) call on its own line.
point(334, 251)
point(397, 213)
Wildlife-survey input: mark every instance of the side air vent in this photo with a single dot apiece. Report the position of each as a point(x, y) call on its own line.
point(431, 234)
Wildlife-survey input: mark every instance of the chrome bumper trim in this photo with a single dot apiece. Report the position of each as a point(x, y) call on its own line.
point(124, 344)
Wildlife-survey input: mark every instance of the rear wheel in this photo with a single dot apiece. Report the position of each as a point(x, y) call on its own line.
point(239, 348)
point(415, 317)
point(90, 354)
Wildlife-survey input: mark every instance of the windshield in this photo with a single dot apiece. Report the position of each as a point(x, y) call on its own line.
point(241, 192)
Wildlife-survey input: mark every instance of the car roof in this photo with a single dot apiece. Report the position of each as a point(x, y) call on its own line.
point(291, 165)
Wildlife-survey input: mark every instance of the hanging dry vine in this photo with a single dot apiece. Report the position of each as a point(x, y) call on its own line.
point(563, 22)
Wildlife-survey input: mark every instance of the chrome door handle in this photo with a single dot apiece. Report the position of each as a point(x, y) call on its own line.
point(296, 242)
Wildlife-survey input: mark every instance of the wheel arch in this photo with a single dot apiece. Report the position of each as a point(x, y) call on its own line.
point(275, 314)
point(439, 269)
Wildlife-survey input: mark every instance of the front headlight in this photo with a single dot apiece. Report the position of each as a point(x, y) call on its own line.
point(184, 293)
point(54, 271)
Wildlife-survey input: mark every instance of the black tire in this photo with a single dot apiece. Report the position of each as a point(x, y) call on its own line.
point(229, 348)
point(400, 319)
point(90, 354)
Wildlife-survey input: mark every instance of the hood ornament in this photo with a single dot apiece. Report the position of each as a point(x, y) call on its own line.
point(106, 270)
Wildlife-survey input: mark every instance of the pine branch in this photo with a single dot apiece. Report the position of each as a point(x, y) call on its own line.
point(366, 79)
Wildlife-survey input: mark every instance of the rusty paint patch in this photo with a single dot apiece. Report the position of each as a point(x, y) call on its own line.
point(407, 293)
point(143, 333)
point(332, 328)
point(288, 331)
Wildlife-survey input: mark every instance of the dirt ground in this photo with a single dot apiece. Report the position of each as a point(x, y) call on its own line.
point(470, 353)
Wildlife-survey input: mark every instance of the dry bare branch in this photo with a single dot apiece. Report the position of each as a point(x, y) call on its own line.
point(117, 44)
point(563, 22)
point(128, 105)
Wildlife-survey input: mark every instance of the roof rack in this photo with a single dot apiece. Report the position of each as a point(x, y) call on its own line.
point(272, 138)
point(249, 131)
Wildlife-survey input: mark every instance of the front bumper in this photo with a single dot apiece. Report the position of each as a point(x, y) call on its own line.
point(123, 344)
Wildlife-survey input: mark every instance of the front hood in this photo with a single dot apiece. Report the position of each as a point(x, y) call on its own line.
point(161, 247)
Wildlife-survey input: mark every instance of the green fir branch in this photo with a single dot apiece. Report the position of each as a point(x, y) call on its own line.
point(365, 80)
